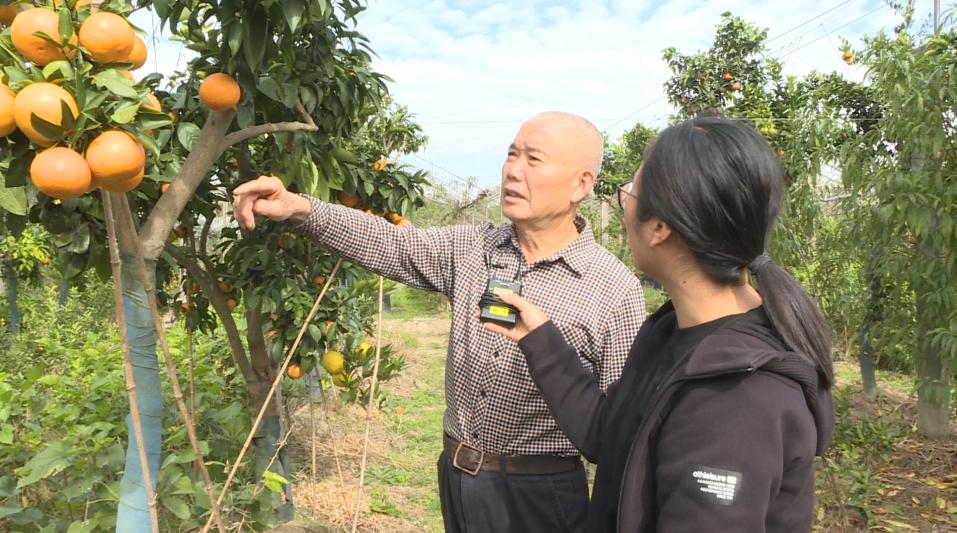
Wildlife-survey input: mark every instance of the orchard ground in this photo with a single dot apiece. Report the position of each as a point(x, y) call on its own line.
point(879, 469)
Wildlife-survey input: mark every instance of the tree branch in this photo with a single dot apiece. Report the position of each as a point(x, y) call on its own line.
point(218, 299)
point(261, 129)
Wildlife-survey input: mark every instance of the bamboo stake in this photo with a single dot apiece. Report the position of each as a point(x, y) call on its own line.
point(279, 376)
point(365, 445)
point(312, 424)
point(170, 367)
point(192, 374)
point(335, 446)
point(127, 359)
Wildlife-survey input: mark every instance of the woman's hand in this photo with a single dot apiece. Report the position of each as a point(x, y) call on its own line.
point(530, 316)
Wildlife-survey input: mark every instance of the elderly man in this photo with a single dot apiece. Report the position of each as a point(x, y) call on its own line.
point(506, 465)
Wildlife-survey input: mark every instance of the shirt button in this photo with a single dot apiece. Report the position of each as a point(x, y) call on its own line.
point(482, 393)
point(475, 435)
point(495, 353)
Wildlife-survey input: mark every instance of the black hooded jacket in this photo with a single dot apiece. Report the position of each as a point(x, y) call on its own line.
point(726, 440)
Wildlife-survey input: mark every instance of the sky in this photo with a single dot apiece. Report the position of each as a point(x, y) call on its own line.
point(471, 71)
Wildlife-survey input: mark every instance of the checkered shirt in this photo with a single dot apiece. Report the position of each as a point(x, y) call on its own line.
point(492, 402)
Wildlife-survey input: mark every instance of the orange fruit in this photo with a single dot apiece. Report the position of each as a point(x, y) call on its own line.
point(138, 54)
point(7, 121)
point(108, 37)
point(728, 76)
point(379, 165)
point(319, 279)
point(349, 200)
point(60, 173)
point(340, 380)
point(333, 362)
point(404, 222)
point(736, 86)
point(394, 218)
point(114, 157)
point(35, 49)
point(231, 303)
point(151, 103)
point(126, 185)
point(294, 371)
point(7, 13)
point(43, 100)
point(164, 187)
point(271, 333)
point(219, 92)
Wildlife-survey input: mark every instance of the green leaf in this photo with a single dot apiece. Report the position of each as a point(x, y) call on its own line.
point(343, 155)
point(49, 461)
point(177, 506)
point(6, 434)
point(126, 114)
point(65, 25)
point(84, 526)
point(113, 81)
point(257, 32)
point(61, 66)
point(293, 10)
point(234, 37)
point(187, 134)
point(14, 200)
point(271, 88)
point(49, 130)
point(67, 120)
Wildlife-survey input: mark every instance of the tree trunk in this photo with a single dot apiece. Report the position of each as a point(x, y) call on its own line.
point(10, 275)
point(63, 292)
point(933, 380)
point(268, 436)
point(133, 515)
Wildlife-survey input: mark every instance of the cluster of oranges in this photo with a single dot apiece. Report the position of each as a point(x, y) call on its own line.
point(353, 201)
point(114, 160)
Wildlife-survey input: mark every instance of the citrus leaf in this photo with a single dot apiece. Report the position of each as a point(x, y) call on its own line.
point(293, 10)
point(114, 82)
point(187, 134)
point(14, 200)
point(234, 37)
point(49, 130)
point(67, 120)
point(125, 115)
point(65, 26)
point(81, 526)
point(270, 88)
point(60, 66)
point(257, 30)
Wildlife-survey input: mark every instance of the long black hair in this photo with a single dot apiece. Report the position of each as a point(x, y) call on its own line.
point(718, 184)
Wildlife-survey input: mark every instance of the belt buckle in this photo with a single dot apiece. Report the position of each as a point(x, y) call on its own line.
point(455, 459)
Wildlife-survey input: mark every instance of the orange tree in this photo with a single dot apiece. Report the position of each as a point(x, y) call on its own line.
point(739, 77)
point(893, 137)
point(289, 91)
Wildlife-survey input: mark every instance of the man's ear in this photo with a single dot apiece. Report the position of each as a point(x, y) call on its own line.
point(584, 183)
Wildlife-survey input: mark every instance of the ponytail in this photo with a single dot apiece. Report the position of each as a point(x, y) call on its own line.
point(794, 315)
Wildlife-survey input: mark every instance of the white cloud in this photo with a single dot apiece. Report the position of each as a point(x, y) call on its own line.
point(473, 70)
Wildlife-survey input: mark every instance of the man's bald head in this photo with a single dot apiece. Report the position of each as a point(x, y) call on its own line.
point(582, 135)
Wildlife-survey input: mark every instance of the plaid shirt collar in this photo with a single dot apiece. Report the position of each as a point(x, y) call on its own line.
point(575, 256)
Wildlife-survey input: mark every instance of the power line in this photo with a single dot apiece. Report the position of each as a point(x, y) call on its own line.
point(808, 21)
point(812, 19)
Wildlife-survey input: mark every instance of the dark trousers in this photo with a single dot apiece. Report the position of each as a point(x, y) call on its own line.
point(496, 502)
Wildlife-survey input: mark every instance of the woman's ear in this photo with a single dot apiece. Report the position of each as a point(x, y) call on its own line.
point(660, 231)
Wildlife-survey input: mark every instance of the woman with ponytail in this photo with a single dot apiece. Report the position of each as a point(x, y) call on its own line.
point(725, 399)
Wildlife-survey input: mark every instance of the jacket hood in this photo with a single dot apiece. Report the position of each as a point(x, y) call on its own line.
point(748, 343)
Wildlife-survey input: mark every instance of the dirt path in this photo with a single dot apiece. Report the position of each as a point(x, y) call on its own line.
point(401, 489)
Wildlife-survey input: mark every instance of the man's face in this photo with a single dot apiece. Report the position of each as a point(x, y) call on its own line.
point(539, 174)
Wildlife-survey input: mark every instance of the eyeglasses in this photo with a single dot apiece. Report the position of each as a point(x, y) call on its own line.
point(623, 189)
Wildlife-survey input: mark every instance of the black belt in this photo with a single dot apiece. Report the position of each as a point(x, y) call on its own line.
point(472, 460)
